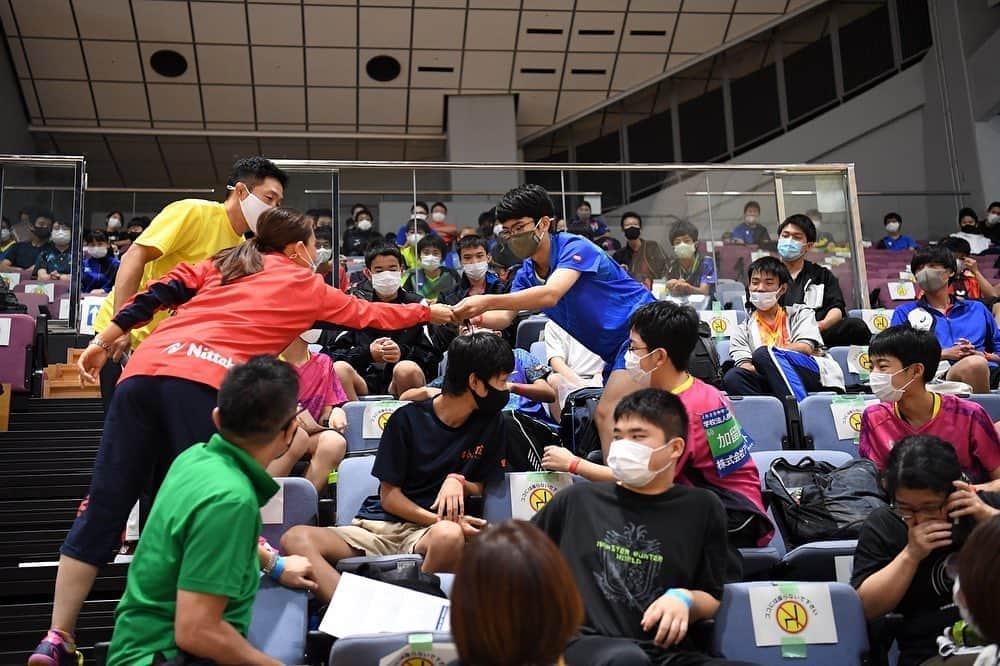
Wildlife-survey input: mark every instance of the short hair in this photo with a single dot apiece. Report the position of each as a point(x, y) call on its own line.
point(324, 233)
point(750, 204)
point(769, 266)
point(468, 242)
point(484, 355)
point(968, 212)
point(257, 400)
point(420, 225)
point(528, 200)
point(95, 236)
point(932, 254)
point(358, 205)
point(114, 212)
point(668, 326)
point(657, 407)
point(922, 462)
point(253, 170)
point(683, 228)
point(802, 222)
point(993, 204)
point(978, 578)
point(495, 615)
point(578, 228)
point(376, 249)
point(909, 346)
point(138, 221)
point(440, 204)
point(46, 215)
point(630, 213)
point(583, 204)
point(323, 212)
point(892, 215)
point(488, 217)
point(364, 211)
point(956, 245)
point(420, 204)
point(432, 242)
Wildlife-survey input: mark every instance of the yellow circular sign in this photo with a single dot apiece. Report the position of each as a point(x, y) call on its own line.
point(791, 617)
point(416, 661)
point(880, 322)
point(901, 289)
point(539, 497)
point(855, 421)
point(719, 325)
point(383, 418)
point(864, 361)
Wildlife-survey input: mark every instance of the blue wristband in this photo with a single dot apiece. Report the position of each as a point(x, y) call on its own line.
point(279, 568)
point(674, 592)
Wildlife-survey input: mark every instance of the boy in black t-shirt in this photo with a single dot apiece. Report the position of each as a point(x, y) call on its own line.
point(432, 455)
point(648, 556)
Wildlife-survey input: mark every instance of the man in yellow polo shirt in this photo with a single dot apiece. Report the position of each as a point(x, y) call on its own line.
point(187, 231)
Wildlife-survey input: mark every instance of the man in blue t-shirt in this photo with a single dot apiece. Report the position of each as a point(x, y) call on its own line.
point(893, 239)
point(573, 281)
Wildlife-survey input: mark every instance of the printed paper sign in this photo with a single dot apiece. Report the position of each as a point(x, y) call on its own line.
point(46, 289)
point(377, 415)
point(273, 513)
point(12, 279)
point(63, 308)
point(366, 606)
point(722, 322)
point(5, 325)
point(843, 565)
point(858, 361)
point(729, 445)
point(847, 416)
point(799, 613)
point(906, 275)
point(757, 254)
point(902, 291)
point(878, 320)
point(89, 307)
point(436, 655)
point(530, 491)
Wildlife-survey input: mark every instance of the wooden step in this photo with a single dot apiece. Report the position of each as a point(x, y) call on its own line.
point(63, 381)
point(73, 355)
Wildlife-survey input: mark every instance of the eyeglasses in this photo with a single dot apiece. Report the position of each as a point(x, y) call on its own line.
point(907, 514)
point(637, 349)
point(518, 228)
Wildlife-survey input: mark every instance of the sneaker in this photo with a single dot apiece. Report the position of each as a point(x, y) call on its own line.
point(56, 649)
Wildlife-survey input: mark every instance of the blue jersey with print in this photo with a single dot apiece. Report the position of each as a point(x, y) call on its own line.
point(897, 244)
point(964, 319)
point(597, 307)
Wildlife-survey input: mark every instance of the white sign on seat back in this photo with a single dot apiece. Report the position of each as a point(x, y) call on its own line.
point(89, 307)
point(877, 319)
point(530, 491)
point(721, 322)
point(786, 613)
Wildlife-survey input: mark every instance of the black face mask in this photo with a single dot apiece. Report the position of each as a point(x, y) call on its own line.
point(133, 235)
point(970, 228)
point(494, 401)
point(42, 233)
point(632, 233)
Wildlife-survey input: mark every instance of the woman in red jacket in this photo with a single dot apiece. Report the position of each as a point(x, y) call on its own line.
point(248, 300)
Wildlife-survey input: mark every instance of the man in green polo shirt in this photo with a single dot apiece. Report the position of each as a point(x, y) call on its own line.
point(193, 579)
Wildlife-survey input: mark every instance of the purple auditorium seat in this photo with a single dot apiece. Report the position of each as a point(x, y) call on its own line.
point(33, 301)
point(15, 357)
point(60, 287)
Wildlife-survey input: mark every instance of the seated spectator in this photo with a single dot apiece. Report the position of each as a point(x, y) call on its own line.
point(114, 228)
point(816, 287)
point(596, 225)
point(977, 587)
point(893, 239)
point(135, 228)
point(773, 349)
point(688, 272)
point(324, 259)
point(992, 221)
point(970, 281)
point(438, 222)
point(358, 236)
point(24, 254)
point(662, 337)
point(191, 590)
point(430, 278)
point(639, 608)
point(452, 260)
point(965, 328)
point(824, 239)
point(417, 231)
point(496, 617)
point(477, 278)
point(750, 231)
point(100, 266)
point(418, 213)
point(56, 261)
point(972, 231)
point(433, 455)
point(899, 564)
point(573, 365)
point(903, 361)
point(643, 259)
point(7, 239)
point(389, 361)
point(321, 421)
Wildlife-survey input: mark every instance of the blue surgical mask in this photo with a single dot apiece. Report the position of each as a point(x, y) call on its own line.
point(789, 248)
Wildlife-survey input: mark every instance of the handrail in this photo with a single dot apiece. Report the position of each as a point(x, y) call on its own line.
point(822, 169)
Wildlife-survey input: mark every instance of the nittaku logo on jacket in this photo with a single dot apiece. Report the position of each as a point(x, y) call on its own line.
point(202, 352)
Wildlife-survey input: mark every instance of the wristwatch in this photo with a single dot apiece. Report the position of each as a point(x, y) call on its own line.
point(100, 343)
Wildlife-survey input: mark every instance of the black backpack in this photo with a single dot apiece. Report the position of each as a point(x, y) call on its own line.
point(576, 422)
point(704, 363)
point(815, 501)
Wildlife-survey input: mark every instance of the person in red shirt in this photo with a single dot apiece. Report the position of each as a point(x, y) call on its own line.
point(246, 301)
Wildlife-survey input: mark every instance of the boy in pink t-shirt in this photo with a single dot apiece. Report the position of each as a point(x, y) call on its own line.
point(903, 361)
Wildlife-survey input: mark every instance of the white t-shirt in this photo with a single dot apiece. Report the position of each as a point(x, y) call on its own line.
point(977, 242)
point(582, 361)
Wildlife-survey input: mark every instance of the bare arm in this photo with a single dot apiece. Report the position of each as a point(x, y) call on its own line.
point(801, 347)
point(882, 591)
point(539, 390)
point(559, 366)
point(831, 318)
point(130, 271)
point(395, 502)
point(200, 630)
point(534, 298)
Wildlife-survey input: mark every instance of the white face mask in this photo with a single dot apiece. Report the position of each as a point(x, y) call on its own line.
point(684, 250)
point(252, 208)
point(438, 216)
point(419, 216)
point(750, 219)
point(311, 336)
point(387, 283)
point(413, 239)
point(763, 300)
point(114, 223)
point(476, 271)
point(992, 219)
point(892, 227)
point(636, 373)
point(4, 235)
point(365, 225)
point(497, 230)
point(430, 261)
point(881, 385)
point(96, 252)
point(629, 462)
point(61, 236)
point(323, 255)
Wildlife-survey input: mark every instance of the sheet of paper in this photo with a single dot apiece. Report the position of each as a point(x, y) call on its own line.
point(800, 612)
point(847, 416)
point(901, 291)
point(365, 606)
point(878, 320)
point(530, 491)
point(858, 361)
point(13, 279)
point(757, 254)
point(273, 513)
point(89, 307)
point(438, 654)
point(47, 289)
point(376, 416)
point(5, 325)
point(844, 567)
point(63, 308)
point(722, 322)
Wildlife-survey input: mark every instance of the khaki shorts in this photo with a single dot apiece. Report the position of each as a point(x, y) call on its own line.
point(378, 537)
